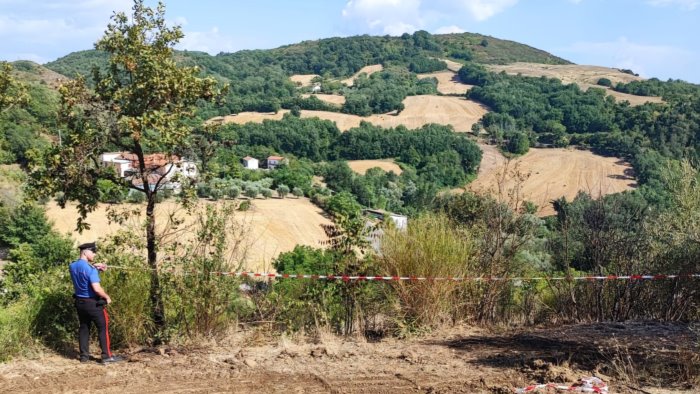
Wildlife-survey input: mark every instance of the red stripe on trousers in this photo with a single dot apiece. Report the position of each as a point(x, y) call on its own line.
point(109, 347)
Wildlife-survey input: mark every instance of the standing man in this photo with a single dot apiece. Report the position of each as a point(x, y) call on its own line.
point(90, 302)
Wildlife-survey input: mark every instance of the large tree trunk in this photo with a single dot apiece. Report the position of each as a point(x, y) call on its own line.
point(157, 309)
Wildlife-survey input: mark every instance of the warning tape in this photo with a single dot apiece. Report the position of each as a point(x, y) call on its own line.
point(584, 385)
point(346, 278)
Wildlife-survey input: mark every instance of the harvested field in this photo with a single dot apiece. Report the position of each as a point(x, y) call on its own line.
point(461, 359)
point(452, 65)
point(584, 76)
point(274, 225)
point(303, 79)
point(369, 70)
point(458, 112)
point(552, 173)
point(448, 82)
point(361, 166)
point(245, 117)
point(329, 98)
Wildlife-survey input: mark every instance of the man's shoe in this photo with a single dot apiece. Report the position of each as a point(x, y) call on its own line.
point(84, 360)
point(112, 360)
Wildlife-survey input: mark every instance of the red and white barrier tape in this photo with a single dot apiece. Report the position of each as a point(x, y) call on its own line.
point(434, 279)
point(584, 385)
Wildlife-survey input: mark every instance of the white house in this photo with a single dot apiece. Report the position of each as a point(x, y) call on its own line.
point(250, 163)
point(274, 161)
point(400, 221)
point(116, 161)
point(158, 166)
point(316, 88)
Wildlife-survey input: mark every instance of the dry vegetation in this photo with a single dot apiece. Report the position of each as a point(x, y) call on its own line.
point(458, 112)
point(303, 79)
point(369, 70)
point(329, 98)
point(361, 166)
point(551, 173)
point(584, 76)
point(448, 82)
point(273, 226)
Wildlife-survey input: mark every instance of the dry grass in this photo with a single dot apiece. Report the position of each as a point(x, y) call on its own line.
point(552, 173)
point(458, 112)
point(369, 70)
point(452, 65)
point(275, 226)
point(361, 166)
point(448, 82)
point(328, 98)
point(303, 79)
point(584, 76)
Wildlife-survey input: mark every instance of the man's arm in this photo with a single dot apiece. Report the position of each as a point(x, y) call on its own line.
point(100, 291)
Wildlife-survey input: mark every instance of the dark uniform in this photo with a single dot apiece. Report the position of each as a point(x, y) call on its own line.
point(90, 307)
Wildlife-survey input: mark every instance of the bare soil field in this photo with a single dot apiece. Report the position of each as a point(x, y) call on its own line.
point(273, 226)
point(461, 359)
point(369, 70)
point(548, 174)
point(420, 110)
point(448, 82)
point(329, 98)
point(303, 79)
point(361, 166)
point(584, 76)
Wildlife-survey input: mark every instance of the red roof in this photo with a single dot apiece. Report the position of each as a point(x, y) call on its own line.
point(152, 161)
point(278, 158)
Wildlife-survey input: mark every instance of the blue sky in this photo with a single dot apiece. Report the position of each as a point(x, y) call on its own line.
point(656, 38)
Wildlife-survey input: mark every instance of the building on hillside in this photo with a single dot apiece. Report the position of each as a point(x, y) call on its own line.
point(157, 167)
point(399, 221)
point(274, 161)
point(316, 88)
point(250, 163)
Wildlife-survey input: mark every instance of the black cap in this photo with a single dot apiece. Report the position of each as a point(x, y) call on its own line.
point(89, 246)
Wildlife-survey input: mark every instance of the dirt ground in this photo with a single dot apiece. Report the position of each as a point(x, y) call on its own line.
point(273, 226)
point(584, 76)
point(369, 70)
point(551, 173)
point(456, 360)
point(448, 82)
point(361, 166)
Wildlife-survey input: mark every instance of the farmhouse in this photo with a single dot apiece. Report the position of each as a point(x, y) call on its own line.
point(250, 163)
point(274, 161)
point(158, 166)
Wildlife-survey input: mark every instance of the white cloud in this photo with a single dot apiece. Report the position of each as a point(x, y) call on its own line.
point(485, 9)
point(683, 4)
point(212, 41)
point(392, 17)
point(53, 28)
point(405, 16)
point(449, 29)
point(661, 61)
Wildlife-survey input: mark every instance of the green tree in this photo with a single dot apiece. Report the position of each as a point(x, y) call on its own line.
point(11, 91)
point(282, 191)
point(140, 104)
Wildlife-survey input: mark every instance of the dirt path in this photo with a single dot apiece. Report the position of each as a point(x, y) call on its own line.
point(457, 360)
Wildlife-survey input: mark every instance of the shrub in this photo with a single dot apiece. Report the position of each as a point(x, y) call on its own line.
point(430, 247)
point(266, 192)
point(297, 192)
point(605, 82)
point(233, 192)
point(282, 191)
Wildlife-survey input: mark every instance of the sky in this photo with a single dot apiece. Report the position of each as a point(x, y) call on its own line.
point(655, 38)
